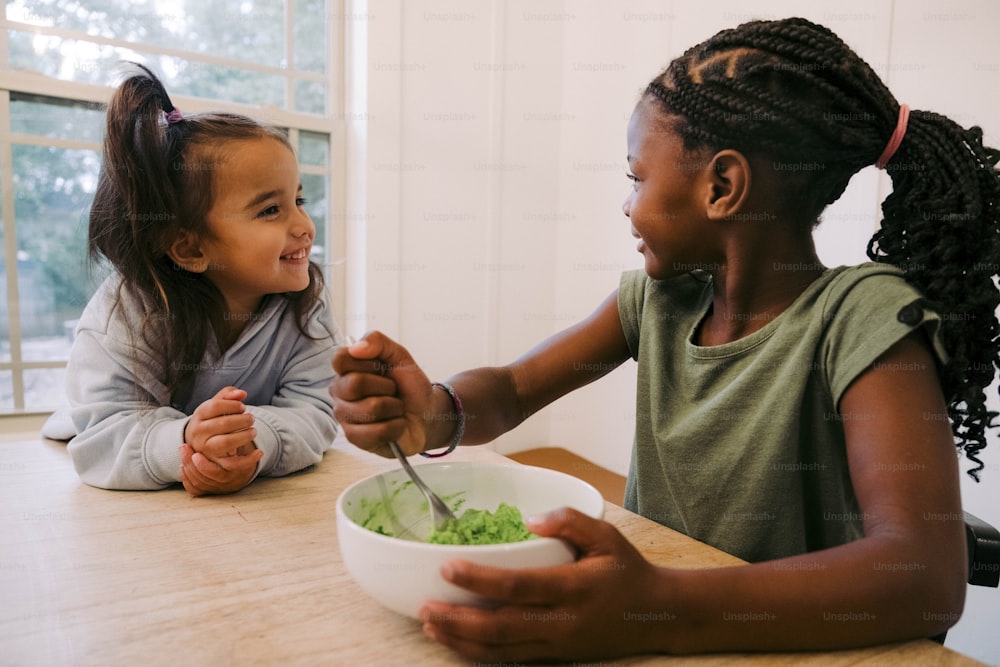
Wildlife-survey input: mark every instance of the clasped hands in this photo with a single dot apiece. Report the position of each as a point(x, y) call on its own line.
point(219, 455)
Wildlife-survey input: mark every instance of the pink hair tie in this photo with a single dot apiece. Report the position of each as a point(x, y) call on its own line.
point(896, 139)
point(174, 116)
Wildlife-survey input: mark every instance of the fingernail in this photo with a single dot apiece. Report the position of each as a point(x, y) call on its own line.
point(447, 571)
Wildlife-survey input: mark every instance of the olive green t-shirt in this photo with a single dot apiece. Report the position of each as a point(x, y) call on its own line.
point(741, 445)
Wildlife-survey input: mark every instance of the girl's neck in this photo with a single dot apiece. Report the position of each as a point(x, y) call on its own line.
point(748, 295)
point(227, 332)
point(233, 321)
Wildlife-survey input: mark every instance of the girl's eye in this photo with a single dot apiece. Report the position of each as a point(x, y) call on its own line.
point(301, 201)
point(268, 212)
point(632, 177)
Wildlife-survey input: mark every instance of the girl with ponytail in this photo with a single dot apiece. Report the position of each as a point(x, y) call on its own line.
point(200, 359)
point(802, 417)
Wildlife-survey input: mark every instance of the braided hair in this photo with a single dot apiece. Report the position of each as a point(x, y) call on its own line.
point(794, 92)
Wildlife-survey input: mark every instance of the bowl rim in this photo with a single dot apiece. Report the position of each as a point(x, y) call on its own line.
point(539, 543)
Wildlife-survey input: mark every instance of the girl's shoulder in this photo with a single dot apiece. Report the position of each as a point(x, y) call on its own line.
point(118, 319)
point(850, 275)
point(317, 317)
point(111, 303)
point(865, 285)
point(320, 320)
point(866, 310)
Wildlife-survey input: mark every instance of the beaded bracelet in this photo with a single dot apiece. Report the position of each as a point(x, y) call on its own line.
point(460, 418)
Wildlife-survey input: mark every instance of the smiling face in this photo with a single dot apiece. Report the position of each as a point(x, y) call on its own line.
point(259, 235)
point(664, 206)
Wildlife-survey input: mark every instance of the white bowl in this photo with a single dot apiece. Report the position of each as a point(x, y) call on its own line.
point(402, 572)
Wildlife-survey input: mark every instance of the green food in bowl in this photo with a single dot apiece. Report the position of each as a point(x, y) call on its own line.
point(380, 515)
point(403, 571)
point(484, 527)
point(473, 526)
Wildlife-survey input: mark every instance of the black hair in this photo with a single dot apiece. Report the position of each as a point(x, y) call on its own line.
point(794, 92)
point(157, 179)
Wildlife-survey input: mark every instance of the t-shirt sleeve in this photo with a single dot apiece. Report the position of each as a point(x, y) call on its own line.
point(631, 294)
point(867, 319)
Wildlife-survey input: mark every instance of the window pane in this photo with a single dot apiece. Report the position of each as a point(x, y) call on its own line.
point(87, 62)
point(6, 391)
point(310, 97)
point(54, 188)
point(254, 29)
point(314, 189)
point(314, 148)
point(44, 389)
point(217, 82)
point(52, 118)
point(311, 20)
point(65, 59)
point(4, 313)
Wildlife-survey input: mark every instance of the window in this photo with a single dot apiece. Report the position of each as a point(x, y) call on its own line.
point(271, 59)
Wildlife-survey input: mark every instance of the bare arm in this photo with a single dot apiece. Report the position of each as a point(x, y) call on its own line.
point(381, 394)
point(904, 579)
point(498, 399)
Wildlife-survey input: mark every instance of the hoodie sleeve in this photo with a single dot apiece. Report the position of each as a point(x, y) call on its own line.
point(297, 426)
point(123, 441)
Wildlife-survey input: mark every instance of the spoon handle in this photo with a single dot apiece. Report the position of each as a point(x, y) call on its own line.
point(440, 512)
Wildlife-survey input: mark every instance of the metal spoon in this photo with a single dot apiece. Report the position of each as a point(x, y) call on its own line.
point(440, 512)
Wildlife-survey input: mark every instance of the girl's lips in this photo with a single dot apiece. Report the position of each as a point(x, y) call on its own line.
point(302, 253)
point(640, 246)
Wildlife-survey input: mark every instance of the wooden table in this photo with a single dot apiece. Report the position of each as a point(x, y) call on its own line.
point(94, 577)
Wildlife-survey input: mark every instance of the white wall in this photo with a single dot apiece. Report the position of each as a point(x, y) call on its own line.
point(486, 147)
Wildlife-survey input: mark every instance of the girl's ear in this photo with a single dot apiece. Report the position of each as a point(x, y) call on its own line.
point(731, 178)
point(185, 251)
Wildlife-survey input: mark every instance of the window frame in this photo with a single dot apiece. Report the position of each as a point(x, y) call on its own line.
point(31, 83)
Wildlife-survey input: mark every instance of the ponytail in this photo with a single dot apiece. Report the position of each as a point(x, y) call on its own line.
point(135, 203)
point(942, 227)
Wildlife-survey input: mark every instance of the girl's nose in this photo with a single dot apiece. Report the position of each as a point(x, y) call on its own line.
point(627, 206)
point(303, 226)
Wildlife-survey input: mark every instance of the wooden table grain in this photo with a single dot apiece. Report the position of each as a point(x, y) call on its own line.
point(95, 577)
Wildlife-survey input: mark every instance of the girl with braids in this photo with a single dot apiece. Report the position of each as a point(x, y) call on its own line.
point(201, 359)
point(792, 414)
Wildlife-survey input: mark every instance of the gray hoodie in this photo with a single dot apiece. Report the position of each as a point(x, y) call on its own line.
point(127, 433)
